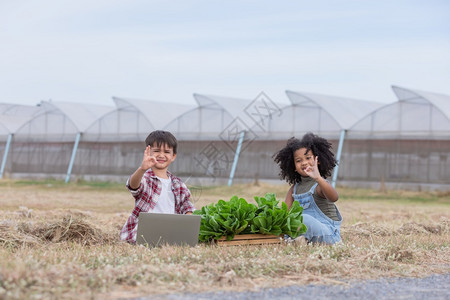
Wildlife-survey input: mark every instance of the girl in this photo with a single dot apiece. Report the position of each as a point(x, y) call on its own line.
point(305, 164)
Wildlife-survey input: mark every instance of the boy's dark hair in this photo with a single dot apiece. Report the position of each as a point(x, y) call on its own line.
point(160, 137)
point(319, 146)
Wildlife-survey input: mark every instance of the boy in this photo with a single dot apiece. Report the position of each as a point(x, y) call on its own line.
point(154, 188)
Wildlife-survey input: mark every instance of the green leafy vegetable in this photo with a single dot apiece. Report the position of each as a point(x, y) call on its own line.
point(237, 216)
point(225, 218)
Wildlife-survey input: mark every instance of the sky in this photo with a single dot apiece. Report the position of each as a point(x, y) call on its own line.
point(89, 51)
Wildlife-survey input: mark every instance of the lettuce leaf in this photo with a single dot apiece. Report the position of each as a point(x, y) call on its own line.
point(237, 216)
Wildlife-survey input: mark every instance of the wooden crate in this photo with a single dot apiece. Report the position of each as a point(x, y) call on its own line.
point(250, 239)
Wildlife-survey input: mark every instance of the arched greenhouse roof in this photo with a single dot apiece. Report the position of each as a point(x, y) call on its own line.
point(321, 114)
point(18, 109)
point(205, 101)
point(216, 118)
point(13, 116)
point(9, 124)
point(134, 119)
point(81, 114)
point(60, 121)
point(234, 107)
point(416, 115)
point(208, 120)
point(345, 111)
point(440, 101)
point(158, 113)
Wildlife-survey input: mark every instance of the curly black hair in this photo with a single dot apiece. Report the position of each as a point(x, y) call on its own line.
point(317, 145)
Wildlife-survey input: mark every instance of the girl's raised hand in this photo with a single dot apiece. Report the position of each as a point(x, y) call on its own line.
point(148, 161)
point(313, 170)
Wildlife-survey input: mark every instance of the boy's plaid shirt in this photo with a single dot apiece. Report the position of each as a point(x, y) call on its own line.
point(146, 197)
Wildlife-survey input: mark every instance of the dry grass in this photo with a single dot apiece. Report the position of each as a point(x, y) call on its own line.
point(61, 241)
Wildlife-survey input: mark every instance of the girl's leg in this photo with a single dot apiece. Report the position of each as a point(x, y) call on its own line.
point(319, 232)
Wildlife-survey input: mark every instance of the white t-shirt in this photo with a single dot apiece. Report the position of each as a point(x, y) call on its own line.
point(166, 201)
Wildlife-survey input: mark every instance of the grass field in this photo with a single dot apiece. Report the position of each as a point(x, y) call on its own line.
point(61, 241)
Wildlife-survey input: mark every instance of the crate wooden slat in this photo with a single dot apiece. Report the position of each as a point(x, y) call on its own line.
point(250, 239)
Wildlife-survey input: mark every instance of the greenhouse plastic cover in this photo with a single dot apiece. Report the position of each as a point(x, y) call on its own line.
point(320, 114)
point(416, 114)
point(13, 116)
point(60, 121)
point(134, 119)
point(214, 117)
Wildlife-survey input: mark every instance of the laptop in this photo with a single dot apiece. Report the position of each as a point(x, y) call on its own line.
point(155, 229)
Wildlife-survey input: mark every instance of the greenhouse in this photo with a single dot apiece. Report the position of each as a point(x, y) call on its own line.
point(113, 144)
point(45, 142)
point(12, 117)
point(404, 144)
point(210, 134)
point(327, 116)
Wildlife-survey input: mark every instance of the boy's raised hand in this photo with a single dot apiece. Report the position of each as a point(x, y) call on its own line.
point(148, 161)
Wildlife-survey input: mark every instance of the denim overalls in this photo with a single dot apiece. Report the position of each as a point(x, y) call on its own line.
point(321, 229)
